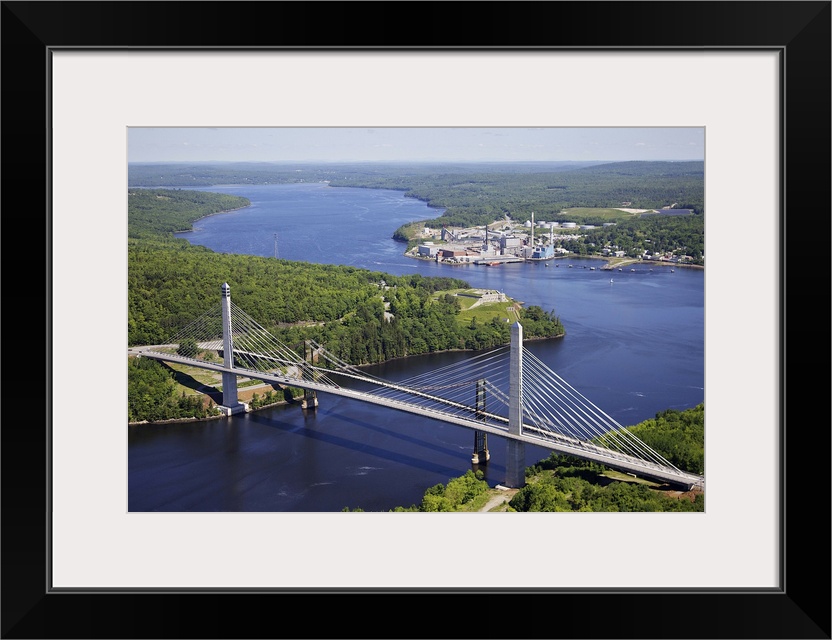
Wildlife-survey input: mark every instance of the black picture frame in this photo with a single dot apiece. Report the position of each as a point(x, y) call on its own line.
point(799, 31)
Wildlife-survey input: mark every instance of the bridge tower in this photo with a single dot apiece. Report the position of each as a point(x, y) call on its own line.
point(310, 396)
point(481, 454)
point(516, 451)
point(230, 401)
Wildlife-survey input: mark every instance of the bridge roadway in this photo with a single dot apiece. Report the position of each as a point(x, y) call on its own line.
point(541, 438)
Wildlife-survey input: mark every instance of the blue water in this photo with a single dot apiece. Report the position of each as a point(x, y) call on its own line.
point(634, 347)
point(313, 223)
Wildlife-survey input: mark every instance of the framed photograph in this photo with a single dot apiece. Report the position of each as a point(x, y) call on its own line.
point(78, 76)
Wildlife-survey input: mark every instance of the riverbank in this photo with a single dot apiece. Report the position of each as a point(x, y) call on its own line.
point(211, 395)
point(208, 384)
point(208, 215)
point(243, 395)
point(621, 262)
point(612, 262)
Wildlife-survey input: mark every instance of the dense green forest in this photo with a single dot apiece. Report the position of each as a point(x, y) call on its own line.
point(154, 212)
point(567, 483)
point(206, 174)
point(678, 435)
point(560, 483)
point(460, 494)
point(171, 283)
point(478, 199)
point(467, 195)
point(475, 194)
point(152, 394)
point(654, 234)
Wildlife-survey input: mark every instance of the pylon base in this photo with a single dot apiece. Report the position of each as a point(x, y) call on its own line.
point(232, 410)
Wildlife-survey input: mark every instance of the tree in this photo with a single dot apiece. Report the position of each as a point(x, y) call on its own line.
point(188, 348)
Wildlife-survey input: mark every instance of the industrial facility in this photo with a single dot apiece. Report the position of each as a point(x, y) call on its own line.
point(491, 247)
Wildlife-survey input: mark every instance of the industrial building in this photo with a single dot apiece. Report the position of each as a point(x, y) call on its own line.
point(486, 246)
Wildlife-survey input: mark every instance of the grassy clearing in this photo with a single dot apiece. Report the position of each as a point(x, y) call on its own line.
point(466, 297)
point(190, 378)
point(198, 381)
point(484, 313)
point(472, 307)
point(241, 384)
point(466, 303)
point(583, 213)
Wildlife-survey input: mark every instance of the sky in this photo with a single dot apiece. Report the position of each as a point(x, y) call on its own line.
point(413, 144)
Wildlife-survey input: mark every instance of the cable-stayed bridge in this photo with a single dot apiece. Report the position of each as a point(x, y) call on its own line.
point(506, 392)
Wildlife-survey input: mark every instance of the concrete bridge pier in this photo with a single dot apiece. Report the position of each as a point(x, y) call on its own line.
point(515, 449)
point(481, 454)
point(310, 399)
point(230, 401)
point(515, 464)
point(310, 396)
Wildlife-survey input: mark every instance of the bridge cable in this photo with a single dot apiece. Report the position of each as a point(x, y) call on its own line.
point(550, 405)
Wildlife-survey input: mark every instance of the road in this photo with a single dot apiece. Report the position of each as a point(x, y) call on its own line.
point(501, 498)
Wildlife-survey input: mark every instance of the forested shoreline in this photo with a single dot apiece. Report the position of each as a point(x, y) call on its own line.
point(171, 283)
point(561, 483)
point(472, 195)
point(360, 316)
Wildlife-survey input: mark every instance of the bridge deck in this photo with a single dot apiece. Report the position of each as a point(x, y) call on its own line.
point(529, 434)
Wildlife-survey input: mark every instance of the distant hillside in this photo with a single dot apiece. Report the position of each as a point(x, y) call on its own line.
point(197, 174)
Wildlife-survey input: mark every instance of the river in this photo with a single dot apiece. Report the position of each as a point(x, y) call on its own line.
point(635, 345)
